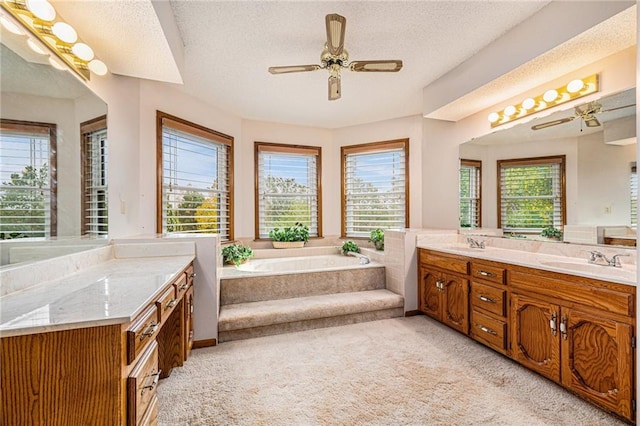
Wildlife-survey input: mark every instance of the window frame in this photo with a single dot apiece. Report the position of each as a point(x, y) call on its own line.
point(214, 136)
point(533, 161)
point(52, 130)
point(478, 165)
point(368, 148)
point(86, 129)
point(291, 149)
point(633, 195)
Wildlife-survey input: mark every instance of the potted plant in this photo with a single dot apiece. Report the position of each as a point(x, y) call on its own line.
point(377, 238)
point(236, 253)
point(290, 236)
point(348, 246)
point(552, 233)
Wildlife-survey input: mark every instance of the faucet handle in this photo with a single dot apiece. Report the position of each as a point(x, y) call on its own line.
point(615, 260)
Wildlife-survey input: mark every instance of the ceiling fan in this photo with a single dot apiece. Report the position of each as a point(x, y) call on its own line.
point(334, 57)
point(587, 112)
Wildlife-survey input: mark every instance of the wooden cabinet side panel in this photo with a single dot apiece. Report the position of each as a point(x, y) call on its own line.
point(597, 360)
point(188, 319)
point(63, 377)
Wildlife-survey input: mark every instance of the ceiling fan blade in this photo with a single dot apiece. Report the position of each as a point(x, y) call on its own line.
point(293, 68)
point(620, 107)
point(591, 121)
point(334, 88)
point(336, 25)
point(552, 123)
point(376, 66)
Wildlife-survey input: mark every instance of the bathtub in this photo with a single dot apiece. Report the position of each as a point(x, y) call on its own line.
point(303, 264)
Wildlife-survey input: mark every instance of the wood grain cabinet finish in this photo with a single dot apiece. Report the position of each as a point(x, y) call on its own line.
point(102, 375)
point(576, 331)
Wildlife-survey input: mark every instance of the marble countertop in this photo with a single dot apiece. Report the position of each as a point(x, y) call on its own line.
point(112, 292)
point(549, 262)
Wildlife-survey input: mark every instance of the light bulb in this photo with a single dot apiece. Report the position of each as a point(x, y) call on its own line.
point(82, 51)
point(528, 103)
point(10, 26)
point(575, 86)
point(64, 32)
point(550, 95)
point(36, 48)
point(493, 117)
point(510, 110)
point(42, 9)
point(98, 67)
point(56, 64)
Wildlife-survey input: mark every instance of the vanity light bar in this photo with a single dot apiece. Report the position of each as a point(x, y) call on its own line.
point(40, 18)
point(553, 97)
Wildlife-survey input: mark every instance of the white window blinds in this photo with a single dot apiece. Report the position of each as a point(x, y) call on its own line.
point(195, 183)
point(287, 187)
point(633, 183)
point(531, 194)
point(375, 188)
point(95, 203)
point(470, 201)
point(27, 180)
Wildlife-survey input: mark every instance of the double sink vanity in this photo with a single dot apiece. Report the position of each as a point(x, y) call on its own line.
point(84, 338)
point(563, 317)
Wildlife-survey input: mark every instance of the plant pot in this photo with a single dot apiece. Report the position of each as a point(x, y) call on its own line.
point(379, 245)
point(287, 244)
point(231, 262)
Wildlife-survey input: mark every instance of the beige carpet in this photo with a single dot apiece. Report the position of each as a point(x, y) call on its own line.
point(402, 371)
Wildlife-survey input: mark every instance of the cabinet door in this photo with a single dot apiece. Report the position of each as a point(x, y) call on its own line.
point(597, 360)
point(428, 293)
point(455, 306)
point(535, 335)
point(188, 322)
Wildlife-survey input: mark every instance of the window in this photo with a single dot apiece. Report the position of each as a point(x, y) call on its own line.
point(375, 187)
point(532, 194)
point(287, 187)
point(94, 176)
point(27, 179)
point(633, 182)
point(195, 182)
point(470, 194)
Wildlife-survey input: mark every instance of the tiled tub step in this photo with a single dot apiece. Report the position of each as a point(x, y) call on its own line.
point(263, 318)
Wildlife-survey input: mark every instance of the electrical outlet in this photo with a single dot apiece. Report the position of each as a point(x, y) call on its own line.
point(607, 209)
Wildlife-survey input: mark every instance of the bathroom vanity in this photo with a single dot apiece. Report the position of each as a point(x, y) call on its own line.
point(571, 321)
point(89, 347)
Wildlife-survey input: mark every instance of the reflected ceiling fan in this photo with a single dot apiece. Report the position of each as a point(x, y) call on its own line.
point(587, 112)
point(334, 57)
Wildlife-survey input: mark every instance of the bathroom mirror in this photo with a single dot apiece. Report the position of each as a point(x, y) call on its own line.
point(34, 92)
point(600, 162)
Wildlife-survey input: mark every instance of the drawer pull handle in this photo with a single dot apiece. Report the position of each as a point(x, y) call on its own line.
point(149, 331)
point(563, 327)
point(170, 304)
point(486, 274)
point(487, 330)
point(154, 377)
point(552, 323)
point(486, 299)
point(184, 286)
point(193, 275)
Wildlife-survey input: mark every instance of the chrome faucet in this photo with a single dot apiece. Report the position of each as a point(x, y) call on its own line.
point(364, 260)
point(475, 243)
point(598, 258)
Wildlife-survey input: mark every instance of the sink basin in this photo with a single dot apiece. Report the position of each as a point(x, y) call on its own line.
point(462, 247)
point(626, 272)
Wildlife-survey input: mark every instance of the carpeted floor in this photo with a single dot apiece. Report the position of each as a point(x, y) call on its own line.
point(402, 371)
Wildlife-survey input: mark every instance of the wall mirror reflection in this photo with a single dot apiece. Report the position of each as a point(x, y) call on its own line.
point(570, 175)
point(53, 158)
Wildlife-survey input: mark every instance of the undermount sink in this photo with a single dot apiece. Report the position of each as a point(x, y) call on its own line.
point(626, 271)
point(462, 247)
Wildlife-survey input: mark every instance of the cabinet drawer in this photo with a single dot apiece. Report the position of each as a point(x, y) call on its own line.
point(142, 331)
point(449, 262)
point(166, 303)
point(151, 416)
point(488, 272)
point(489, 331)
point(181, 284)
point(488, 298)
point(141, 385)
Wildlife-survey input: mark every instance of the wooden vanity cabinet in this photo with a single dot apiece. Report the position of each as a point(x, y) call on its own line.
point(104, 375)
point(442, 292)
